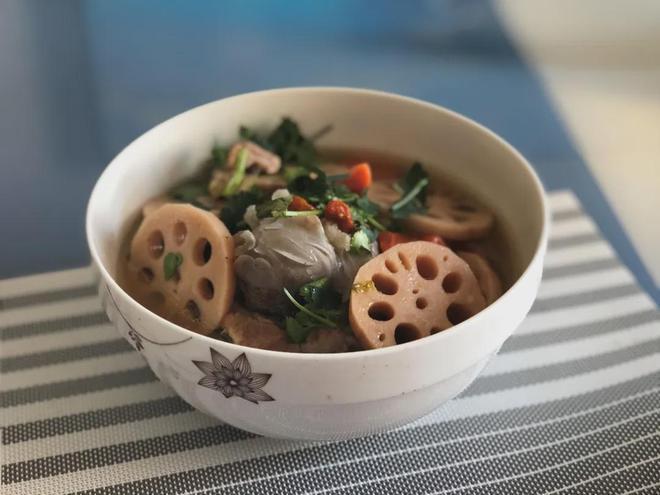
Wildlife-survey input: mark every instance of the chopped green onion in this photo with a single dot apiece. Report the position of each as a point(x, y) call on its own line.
point(171, 262)
point(237, 177)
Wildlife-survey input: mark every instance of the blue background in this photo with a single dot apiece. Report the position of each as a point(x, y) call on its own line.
point(80, 80)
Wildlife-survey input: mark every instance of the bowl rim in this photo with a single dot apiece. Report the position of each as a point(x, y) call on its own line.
point(471, 324)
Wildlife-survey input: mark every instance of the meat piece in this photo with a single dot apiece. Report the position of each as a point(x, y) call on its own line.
point(411, 291)
point(253, 330)
point(277, 253)
point(200, 290)
point(263, 159)
point(490, 284)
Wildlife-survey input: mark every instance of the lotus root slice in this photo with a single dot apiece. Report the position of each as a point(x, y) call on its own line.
point(491, 286)
point(411, 291)
point(202, 289)
point(449, 216)
point(453, 218)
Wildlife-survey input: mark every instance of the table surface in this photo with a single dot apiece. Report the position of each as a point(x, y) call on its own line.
point(80, 80)
point(570, 403)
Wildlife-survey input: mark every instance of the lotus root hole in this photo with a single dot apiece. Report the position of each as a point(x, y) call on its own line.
point(156, 244)
point(457, 313)
point(180, 233)
point(427, 267)
point(381, 336)
point(405, 332)
point(381, 311)
point(391, 266)
point(155, 298)
point(421, 302)
point(193, 310)
point(404, 260)
point(435, 330)
point(205, 288)
point(202, 252)
point(146, 275)
point(384, 284)
point(452, 282)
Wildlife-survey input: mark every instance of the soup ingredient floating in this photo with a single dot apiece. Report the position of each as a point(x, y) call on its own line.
point(183, 257)
point(410, 291)
point(490, 284)
point(326, 256)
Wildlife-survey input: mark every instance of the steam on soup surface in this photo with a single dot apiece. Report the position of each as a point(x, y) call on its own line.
point(279, 246)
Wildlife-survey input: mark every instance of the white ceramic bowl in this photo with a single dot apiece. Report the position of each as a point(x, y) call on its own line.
point(317, 396)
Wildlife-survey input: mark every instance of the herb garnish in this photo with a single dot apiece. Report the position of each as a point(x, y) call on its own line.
point(188, 192)
point(278, 208)
point(234, 209)
point(320, 319)
point(237, 177)
point(274, 207)
point(320, 308)
point(361, 240)
point(291, 145)
point(171, 263)
point(320, 294)
point(413, 193)
point(288, 142)
point(219, 155)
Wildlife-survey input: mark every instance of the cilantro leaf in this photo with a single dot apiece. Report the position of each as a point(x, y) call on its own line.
point(413, 188)
point(171, 263)
point(234, 209)
point(188, 192)
point(314, 190)
point(274, 207)
point(297, 331)
point(311, 314)
point(291, 145)
point(247, 134)
point(367, 206)
point(319, 294)
point(319, 307)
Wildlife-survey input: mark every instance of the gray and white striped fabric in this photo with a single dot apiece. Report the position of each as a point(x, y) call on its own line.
point(570, 405)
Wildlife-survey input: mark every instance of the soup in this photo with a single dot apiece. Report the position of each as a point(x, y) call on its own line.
point(282, 246)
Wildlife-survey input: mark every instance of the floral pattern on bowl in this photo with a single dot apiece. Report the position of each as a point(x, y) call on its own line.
point(233, 378)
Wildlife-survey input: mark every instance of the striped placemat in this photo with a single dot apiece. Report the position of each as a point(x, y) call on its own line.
point(570, 405)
